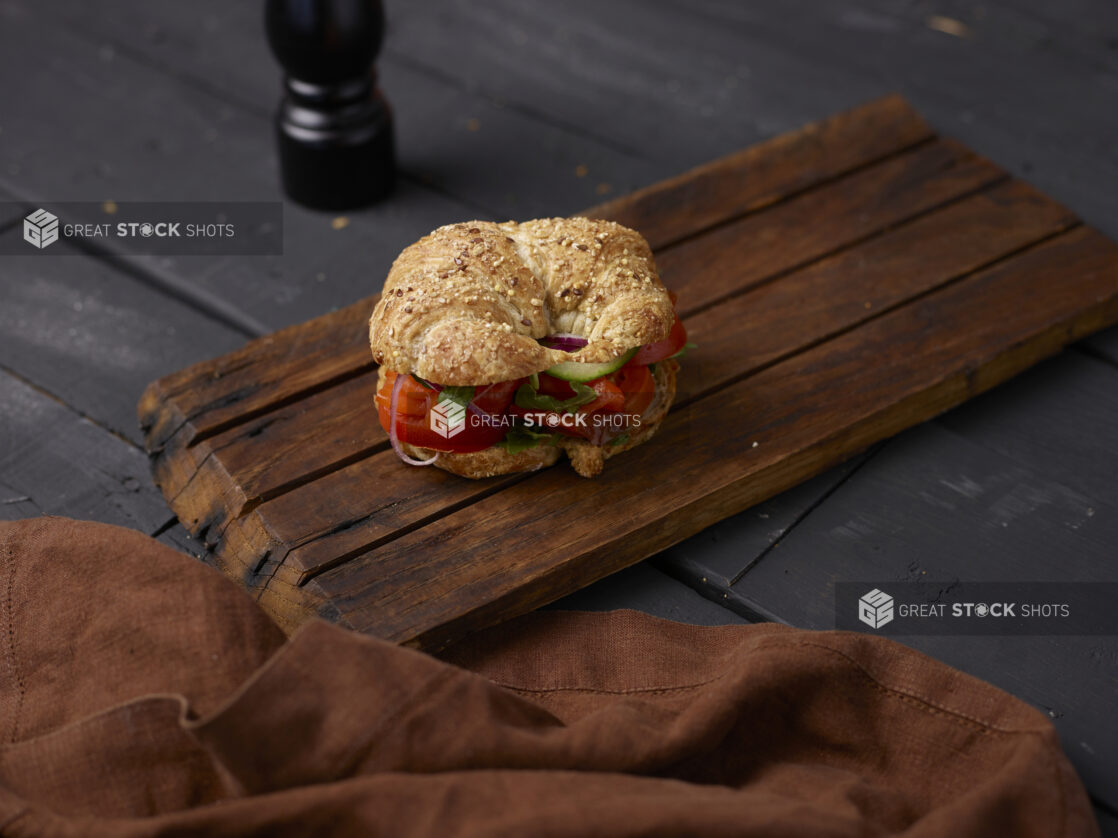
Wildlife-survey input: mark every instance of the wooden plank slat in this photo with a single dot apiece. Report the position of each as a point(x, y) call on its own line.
point(735, 256)
point(811, 411)
point(264, 374)
point(767, 172)
point(827, 316)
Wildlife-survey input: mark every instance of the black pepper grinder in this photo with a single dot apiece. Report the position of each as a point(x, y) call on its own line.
point(334, 127)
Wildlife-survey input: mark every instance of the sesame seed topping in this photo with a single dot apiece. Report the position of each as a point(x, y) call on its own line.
point(536, 301)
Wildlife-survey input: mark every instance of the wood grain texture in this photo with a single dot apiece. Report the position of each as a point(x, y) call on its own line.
point(828, 317)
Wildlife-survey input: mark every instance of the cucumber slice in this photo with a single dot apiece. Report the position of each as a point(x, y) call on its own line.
point(574, 371)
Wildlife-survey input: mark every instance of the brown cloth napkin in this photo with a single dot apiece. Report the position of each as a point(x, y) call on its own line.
point(141, 693)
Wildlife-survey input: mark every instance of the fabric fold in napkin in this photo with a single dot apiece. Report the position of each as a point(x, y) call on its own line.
point(143, 694)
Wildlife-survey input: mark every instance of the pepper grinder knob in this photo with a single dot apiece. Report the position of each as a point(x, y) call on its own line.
point(334, 127)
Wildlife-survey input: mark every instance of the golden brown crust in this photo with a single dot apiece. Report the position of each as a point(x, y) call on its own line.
point(586, 458)
point(490, 462)
point(466, 304)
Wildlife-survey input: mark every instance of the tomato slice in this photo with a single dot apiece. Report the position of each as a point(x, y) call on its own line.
point(650, 353)
point(639, 387)
point(610, 396)
point(415, 401)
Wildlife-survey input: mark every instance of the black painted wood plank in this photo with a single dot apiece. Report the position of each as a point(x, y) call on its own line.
point(176, 537)
point(644, 588)
point(719, 555)
point(54, 462)
point(1108, 822)
point(1104, 345)
point(649, 77)
point(1060, 419)
point(95, 337)
point(984, 494)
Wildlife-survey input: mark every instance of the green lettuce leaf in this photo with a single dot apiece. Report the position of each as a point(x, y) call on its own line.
point(528, 398)
point(522, 439)
point(458, 395)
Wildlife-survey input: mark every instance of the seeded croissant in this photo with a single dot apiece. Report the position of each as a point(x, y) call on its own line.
point(503, 345)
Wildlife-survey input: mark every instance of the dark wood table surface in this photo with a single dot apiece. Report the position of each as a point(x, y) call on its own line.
point(519, 109)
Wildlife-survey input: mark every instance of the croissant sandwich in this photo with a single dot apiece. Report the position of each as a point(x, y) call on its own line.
point(503, 346)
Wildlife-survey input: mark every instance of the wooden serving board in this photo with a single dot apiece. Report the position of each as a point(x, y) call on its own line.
point(842, 282)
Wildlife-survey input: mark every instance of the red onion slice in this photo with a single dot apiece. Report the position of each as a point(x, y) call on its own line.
point(396, 446)
point(564, 342)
